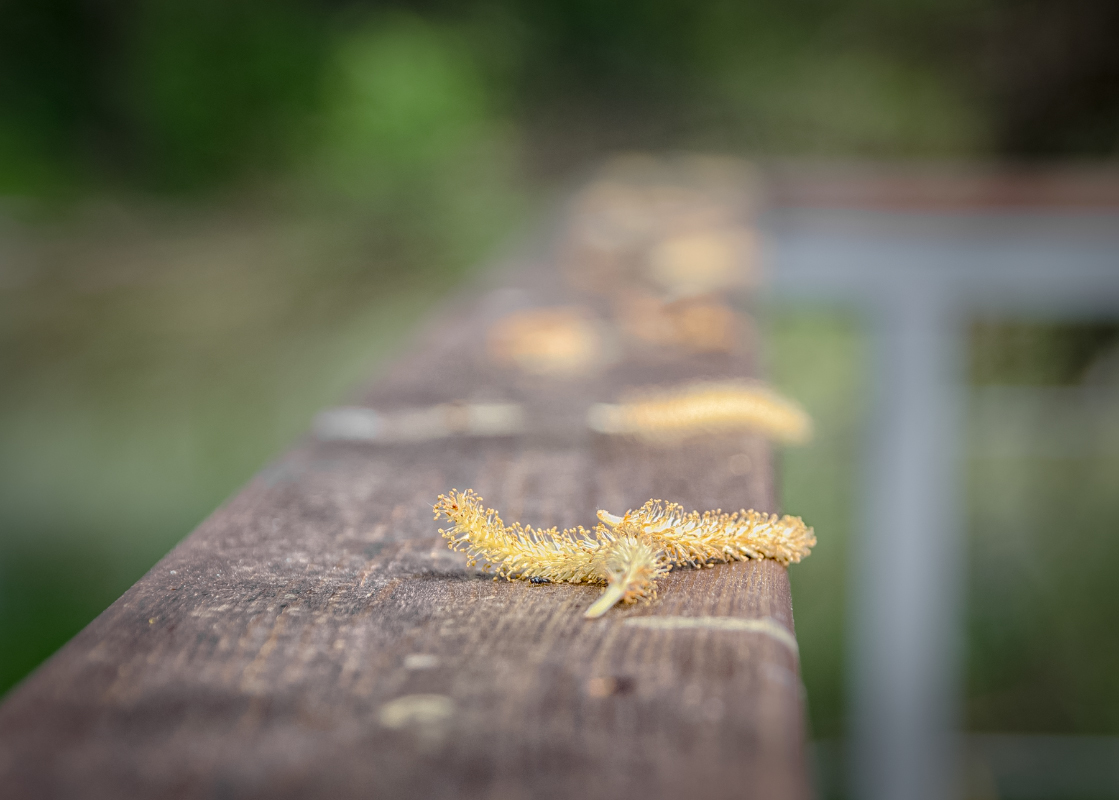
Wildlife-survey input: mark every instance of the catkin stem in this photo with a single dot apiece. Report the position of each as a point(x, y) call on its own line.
point(614, 592)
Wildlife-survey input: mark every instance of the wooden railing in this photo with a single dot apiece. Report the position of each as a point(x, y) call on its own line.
point(315, 637)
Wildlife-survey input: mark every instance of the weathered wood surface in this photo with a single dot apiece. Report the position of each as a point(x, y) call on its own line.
point(316, 638)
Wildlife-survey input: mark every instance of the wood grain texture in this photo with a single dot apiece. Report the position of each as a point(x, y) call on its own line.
point(316, 638)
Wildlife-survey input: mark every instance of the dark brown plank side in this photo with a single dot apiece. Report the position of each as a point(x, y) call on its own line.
point(315, 637)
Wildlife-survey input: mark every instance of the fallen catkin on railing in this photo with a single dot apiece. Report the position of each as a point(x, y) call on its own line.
point(627, 553)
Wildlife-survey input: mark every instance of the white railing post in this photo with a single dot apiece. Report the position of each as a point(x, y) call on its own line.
point(906, 564)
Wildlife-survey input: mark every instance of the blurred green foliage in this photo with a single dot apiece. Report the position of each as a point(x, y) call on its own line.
point(1033, 353)
point(1043, 512)
point(178, 94)
point(820, 359)
point(205, 89)
point(401, 97)
point(1043, 653)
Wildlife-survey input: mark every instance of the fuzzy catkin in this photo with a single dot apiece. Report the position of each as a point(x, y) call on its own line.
point(569, 556)
point(692, 538)
point(628, 553)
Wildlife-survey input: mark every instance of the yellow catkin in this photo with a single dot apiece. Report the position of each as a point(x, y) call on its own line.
point(692, 538)
point(569, 556)
point(716, 407)
point(628, 553)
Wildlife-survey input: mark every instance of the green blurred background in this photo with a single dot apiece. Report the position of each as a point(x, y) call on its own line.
point(216, 216)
